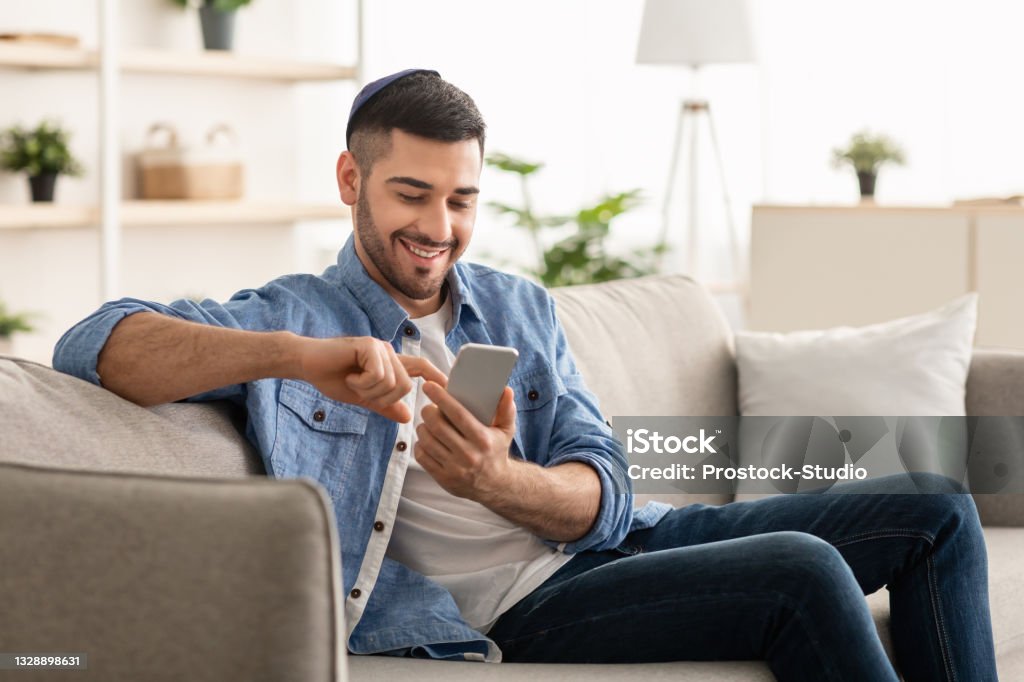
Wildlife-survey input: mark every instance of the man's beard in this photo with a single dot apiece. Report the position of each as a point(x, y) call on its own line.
point(418, 286)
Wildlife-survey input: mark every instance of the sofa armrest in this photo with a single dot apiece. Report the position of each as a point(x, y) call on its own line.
point(170, 578)
point(995, 387)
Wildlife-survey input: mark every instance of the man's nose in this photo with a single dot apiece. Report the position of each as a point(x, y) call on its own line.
point(436, 224)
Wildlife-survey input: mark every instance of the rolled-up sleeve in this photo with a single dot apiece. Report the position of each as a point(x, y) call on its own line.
point(77, 352)
point(580, 434)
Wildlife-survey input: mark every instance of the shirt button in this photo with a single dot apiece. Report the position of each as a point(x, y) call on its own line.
point(401, 446)
point(533, 395)
point(409, 331)
point(355, 593)
point(319, 416)
point(378, 526)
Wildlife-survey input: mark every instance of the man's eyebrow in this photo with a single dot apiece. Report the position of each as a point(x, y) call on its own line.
point(419, 184)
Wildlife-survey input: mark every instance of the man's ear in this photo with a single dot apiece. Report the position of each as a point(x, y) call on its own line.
point(347, 172)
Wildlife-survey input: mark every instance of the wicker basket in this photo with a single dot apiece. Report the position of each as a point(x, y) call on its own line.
point(168, 171)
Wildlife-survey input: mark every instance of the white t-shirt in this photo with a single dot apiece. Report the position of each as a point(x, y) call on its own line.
point(487, 562)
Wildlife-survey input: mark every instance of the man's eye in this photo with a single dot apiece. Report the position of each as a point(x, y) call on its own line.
point(410, 198)
point(461, 205)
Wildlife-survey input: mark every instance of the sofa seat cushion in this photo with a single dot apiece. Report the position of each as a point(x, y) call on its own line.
point(386, 669)
point(1006, 595)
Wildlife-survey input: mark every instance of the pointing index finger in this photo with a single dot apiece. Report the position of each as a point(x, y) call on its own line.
point(421, 367)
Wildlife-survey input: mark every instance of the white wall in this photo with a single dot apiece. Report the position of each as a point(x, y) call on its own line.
point(557, 82)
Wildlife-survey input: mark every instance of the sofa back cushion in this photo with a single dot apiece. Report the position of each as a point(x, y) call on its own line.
point(55, 420)
point(652, 346)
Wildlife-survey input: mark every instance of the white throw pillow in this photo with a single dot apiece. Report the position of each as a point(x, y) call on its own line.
point(910, 366)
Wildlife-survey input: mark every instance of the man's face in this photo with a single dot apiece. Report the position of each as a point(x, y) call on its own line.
point(414, 216)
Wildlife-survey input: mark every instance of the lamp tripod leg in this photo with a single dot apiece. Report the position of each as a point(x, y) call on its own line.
point(666, 205)
point(736, 255)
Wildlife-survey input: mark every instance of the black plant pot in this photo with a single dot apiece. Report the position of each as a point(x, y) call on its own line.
point(42, 186)
point(867, 183)
point(218, 28)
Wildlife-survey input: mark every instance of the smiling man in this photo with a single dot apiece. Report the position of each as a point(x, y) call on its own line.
point(465, 540)
point(444, 522)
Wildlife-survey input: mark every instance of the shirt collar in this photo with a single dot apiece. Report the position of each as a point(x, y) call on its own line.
point(385, 314)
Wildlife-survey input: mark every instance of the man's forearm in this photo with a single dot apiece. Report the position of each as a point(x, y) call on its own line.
point(152, 358)
point(558, 503)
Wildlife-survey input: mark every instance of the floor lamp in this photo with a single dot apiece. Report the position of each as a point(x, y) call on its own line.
point(694, 33)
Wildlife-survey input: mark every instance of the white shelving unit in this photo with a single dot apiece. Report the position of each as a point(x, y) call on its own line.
point(148, 229)
point(110, 62)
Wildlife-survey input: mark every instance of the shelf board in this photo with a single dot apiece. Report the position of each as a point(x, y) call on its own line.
point(135, 213)
point(230, 65)
point(171, 63)
point(13, 217)
point(38, 57)
point(169, 213)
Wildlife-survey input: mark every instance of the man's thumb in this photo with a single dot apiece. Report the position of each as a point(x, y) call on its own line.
point(505, 417)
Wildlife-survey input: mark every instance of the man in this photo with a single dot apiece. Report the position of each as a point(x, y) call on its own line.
point(518, 538)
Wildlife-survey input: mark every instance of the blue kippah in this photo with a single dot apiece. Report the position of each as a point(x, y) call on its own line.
point(371, 89)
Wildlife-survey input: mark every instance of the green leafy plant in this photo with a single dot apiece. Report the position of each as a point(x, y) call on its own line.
point(866, 152)
point(11, 323)
point(581, 257)
point(219, 5)
point(43, 149)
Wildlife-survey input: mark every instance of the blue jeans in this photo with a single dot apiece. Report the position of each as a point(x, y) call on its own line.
point(780, 579)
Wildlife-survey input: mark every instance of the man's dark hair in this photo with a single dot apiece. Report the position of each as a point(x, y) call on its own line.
point(422, 104)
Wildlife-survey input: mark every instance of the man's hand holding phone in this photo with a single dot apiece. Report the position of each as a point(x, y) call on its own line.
point(465, 457)
point(464, 450)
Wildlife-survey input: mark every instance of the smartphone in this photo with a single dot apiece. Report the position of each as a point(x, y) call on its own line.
point(479, 376)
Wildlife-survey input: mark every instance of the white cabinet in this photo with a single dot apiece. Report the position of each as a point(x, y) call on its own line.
point(999, 248)
point(819, 267)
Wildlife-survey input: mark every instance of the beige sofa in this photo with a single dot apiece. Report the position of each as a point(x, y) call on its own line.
point(150, 541)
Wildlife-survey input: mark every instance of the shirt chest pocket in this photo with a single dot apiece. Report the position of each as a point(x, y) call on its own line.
point(536, 392)
point(316, 436)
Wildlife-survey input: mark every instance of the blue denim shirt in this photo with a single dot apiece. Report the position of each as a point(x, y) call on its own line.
point(351, 451)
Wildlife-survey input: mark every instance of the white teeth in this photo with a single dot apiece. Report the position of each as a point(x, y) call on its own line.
point(420, 252)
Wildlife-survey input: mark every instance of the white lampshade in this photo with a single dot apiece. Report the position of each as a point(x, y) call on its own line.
point(695, 32)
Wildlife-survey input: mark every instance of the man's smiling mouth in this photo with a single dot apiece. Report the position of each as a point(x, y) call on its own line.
point(421, 252)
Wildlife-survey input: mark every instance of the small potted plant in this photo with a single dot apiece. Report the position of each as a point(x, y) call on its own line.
point(11, 324)
point(42, 153)
point(217, 18)
point(866, 153)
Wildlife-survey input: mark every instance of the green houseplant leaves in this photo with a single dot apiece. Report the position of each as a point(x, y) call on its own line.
point(581, 257)
point(866, 152)
point(43, 149)
point(10, 323)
